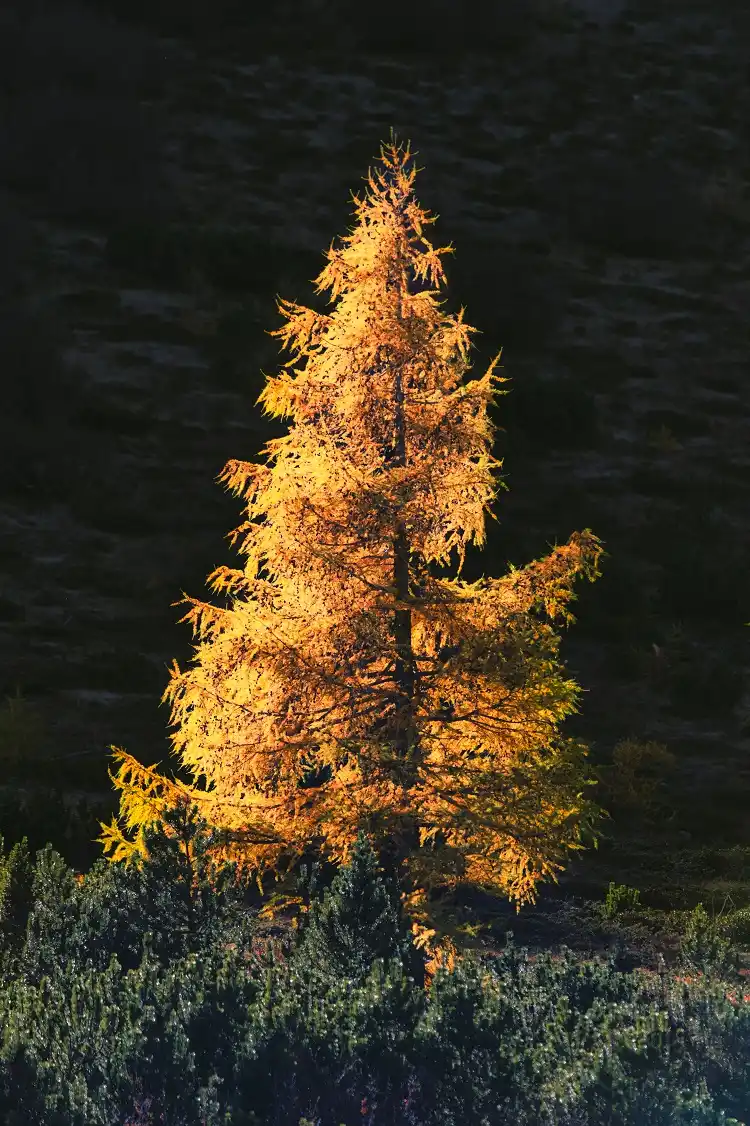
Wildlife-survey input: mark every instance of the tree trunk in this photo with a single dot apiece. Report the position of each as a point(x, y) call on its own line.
point(404, 734)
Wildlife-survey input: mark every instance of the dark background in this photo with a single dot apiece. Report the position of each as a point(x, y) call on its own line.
point(167, 168)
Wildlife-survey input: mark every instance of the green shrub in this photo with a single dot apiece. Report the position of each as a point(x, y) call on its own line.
point(620, 898)
point(703, 948)
point(16, 898)
point(127, 994)
point(736, 925)
point(564, 1042)
point(356, 922)
point(635, 778)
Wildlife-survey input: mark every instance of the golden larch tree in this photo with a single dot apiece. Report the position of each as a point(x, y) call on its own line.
point(347, 685)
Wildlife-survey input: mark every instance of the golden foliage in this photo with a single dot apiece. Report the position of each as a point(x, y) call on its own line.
point(347, 686)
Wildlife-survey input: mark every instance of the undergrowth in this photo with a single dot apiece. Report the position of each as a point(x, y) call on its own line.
point(158, 995)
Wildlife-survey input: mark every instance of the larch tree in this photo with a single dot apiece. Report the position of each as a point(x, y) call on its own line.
point(346, 685)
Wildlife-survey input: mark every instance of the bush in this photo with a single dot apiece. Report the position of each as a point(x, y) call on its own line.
point(620, 898)
point(702, 947)
point(736, 925)
point(16, 879)
point(206, 1040)
point(355, 923)
point(513, 1038)
point(635, 778)
point(117, 1001)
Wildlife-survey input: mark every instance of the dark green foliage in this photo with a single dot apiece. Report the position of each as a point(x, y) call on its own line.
point(702, 947)
point(104, 967)
point(355, 923)
point(151, 987)
point(16, 898)
point(320, 1048)
point(620, 898)
point(565, 1042)
point(89, 1040)
point(179, 896)
point(207, 1038)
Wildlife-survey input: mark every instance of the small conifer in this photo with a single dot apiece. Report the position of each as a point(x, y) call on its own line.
point(355, 922)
